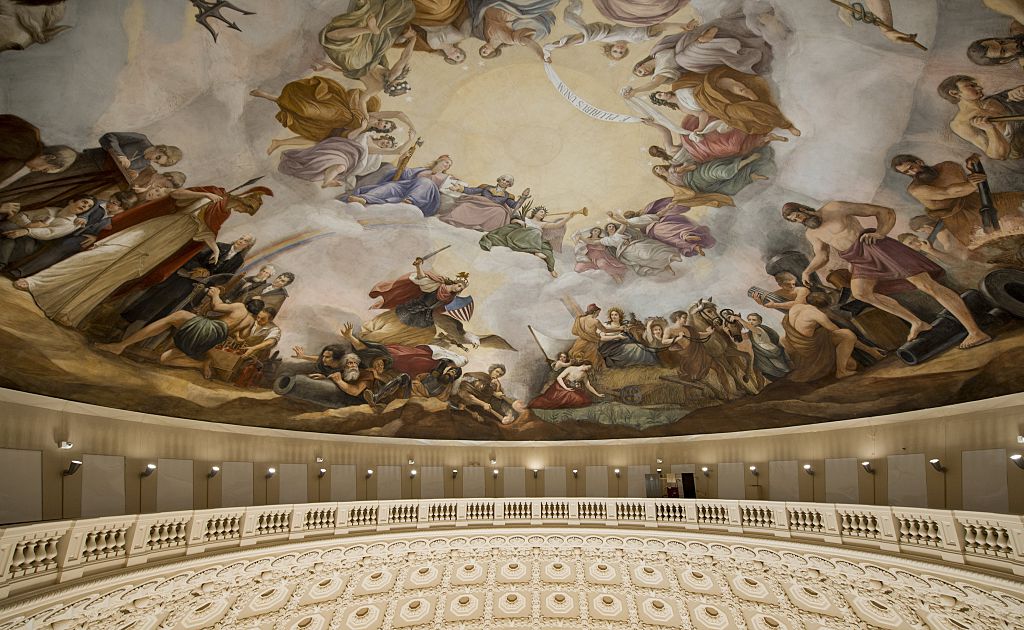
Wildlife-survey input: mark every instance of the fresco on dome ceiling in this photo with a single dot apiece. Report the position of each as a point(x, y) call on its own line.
point(512, 219)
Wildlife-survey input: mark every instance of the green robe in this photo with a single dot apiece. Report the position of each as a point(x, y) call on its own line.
point(357, 55)
point(520, 238)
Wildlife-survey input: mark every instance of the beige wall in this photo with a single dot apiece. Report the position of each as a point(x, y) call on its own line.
point(38, 423)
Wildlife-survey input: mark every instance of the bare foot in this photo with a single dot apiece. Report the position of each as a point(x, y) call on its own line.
point(794, 131)
point(758, 177)
point(406, 200)
point(21, 285)
point(274, 146)
point(208, 369)
point(774, 137)
point(700, 250)
point(112, 348)
point(975, 340)
point(917, 329)
point(509, 419)
point(844, 373)
point(356, 199)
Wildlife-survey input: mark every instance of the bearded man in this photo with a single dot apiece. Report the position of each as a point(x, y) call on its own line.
point(950, 194)
point(879, 265)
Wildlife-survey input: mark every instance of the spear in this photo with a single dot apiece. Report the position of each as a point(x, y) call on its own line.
point(248, 183)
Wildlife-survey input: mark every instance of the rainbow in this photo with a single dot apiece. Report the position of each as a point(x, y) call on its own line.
point(272, 251)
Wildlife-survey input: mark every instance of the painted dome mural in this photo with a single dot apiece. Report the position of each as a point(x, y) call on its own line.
point(512, 219)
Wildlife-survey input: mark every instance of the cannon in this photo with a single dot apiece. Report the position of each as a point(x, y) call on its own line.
point(1001, 296)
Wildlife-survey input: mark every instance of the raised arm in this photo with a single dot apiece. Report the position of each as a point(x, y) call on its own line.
point(346, 333)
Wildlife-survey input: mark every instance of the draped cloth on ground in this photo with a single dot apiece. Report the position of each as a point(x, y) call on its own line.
point(754, 117)
point(639, 12)
point(558, 397)
point(813, 356)
point(317, 107)
point(356, 55)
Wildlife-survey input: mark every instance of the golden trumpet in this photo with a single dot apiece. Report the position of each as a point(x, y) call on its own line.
point(582, 212)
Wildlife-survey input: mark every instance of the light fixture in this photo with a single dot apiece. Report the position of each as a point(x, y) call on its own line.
point(369, 473)
point(323, 472)
point(659, 461)
point(213, 472)
point(66, 446)
point(494, 460)
point(494, 473)
point(575, 473)
point(411, 461)
point(937, 465)
point(148, 470)
point(753, 471)
point(455, 473)
point(867, 467)
point(535, 471)
point(618, 473)
point(657, 470)
point(319, 460)
point(706, 471)
point(1018, 460)
point(412, 474)
point(808, 469)
point(73, 467)
point(270, 472)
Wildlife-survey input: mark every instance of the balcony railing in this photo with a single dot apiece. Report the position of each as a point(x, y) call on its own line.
point(44, 554)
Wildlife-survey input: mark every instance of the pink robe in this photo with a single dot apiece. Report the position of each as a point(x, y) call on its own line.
point(718, 144)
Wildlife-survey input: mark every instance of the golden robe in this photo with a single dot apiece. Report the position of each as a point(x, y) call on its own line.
point(760, 116)
point(317, 108)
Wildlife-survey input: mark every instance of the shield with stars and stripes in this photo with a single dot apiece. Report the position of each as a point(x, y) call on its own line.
point(461, 308)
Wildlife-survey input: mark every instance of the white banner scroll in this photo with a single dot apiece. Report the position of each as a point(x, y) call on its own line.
point(582, 105)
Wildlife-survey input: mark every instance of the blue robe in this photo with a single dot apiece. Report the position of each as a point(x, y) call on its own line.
point(131, 145)
point(535, 15)
point(420, 191)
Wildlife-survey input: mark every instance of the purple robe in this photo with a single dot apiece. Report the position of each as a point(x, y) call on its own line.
point(673, 228)
point(422, 192)
point(479, 209)
point(311, 163)
point(888, 262)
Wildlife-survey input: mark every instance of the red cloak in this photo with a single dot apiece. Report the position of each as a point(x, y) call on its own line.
point(394, 293)
point(412, 360)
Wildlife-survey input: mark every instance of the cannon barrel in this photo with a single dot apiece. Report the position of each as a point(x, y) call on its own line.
point(300, 387)
point(946, 331)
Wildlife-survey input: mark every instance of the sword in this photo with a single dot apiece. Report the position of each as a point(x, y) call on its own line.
point(433, 253)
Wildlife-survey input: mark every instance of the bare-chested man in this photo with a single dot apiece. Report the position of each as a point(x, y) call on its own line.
point(950, 194)
point(815, 345)
point(195, 335)
point(999, 140)
point(878, 264)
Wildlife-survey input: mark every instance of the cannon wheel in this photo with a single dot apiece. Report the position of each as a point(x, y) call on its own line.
point(1005, 289)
